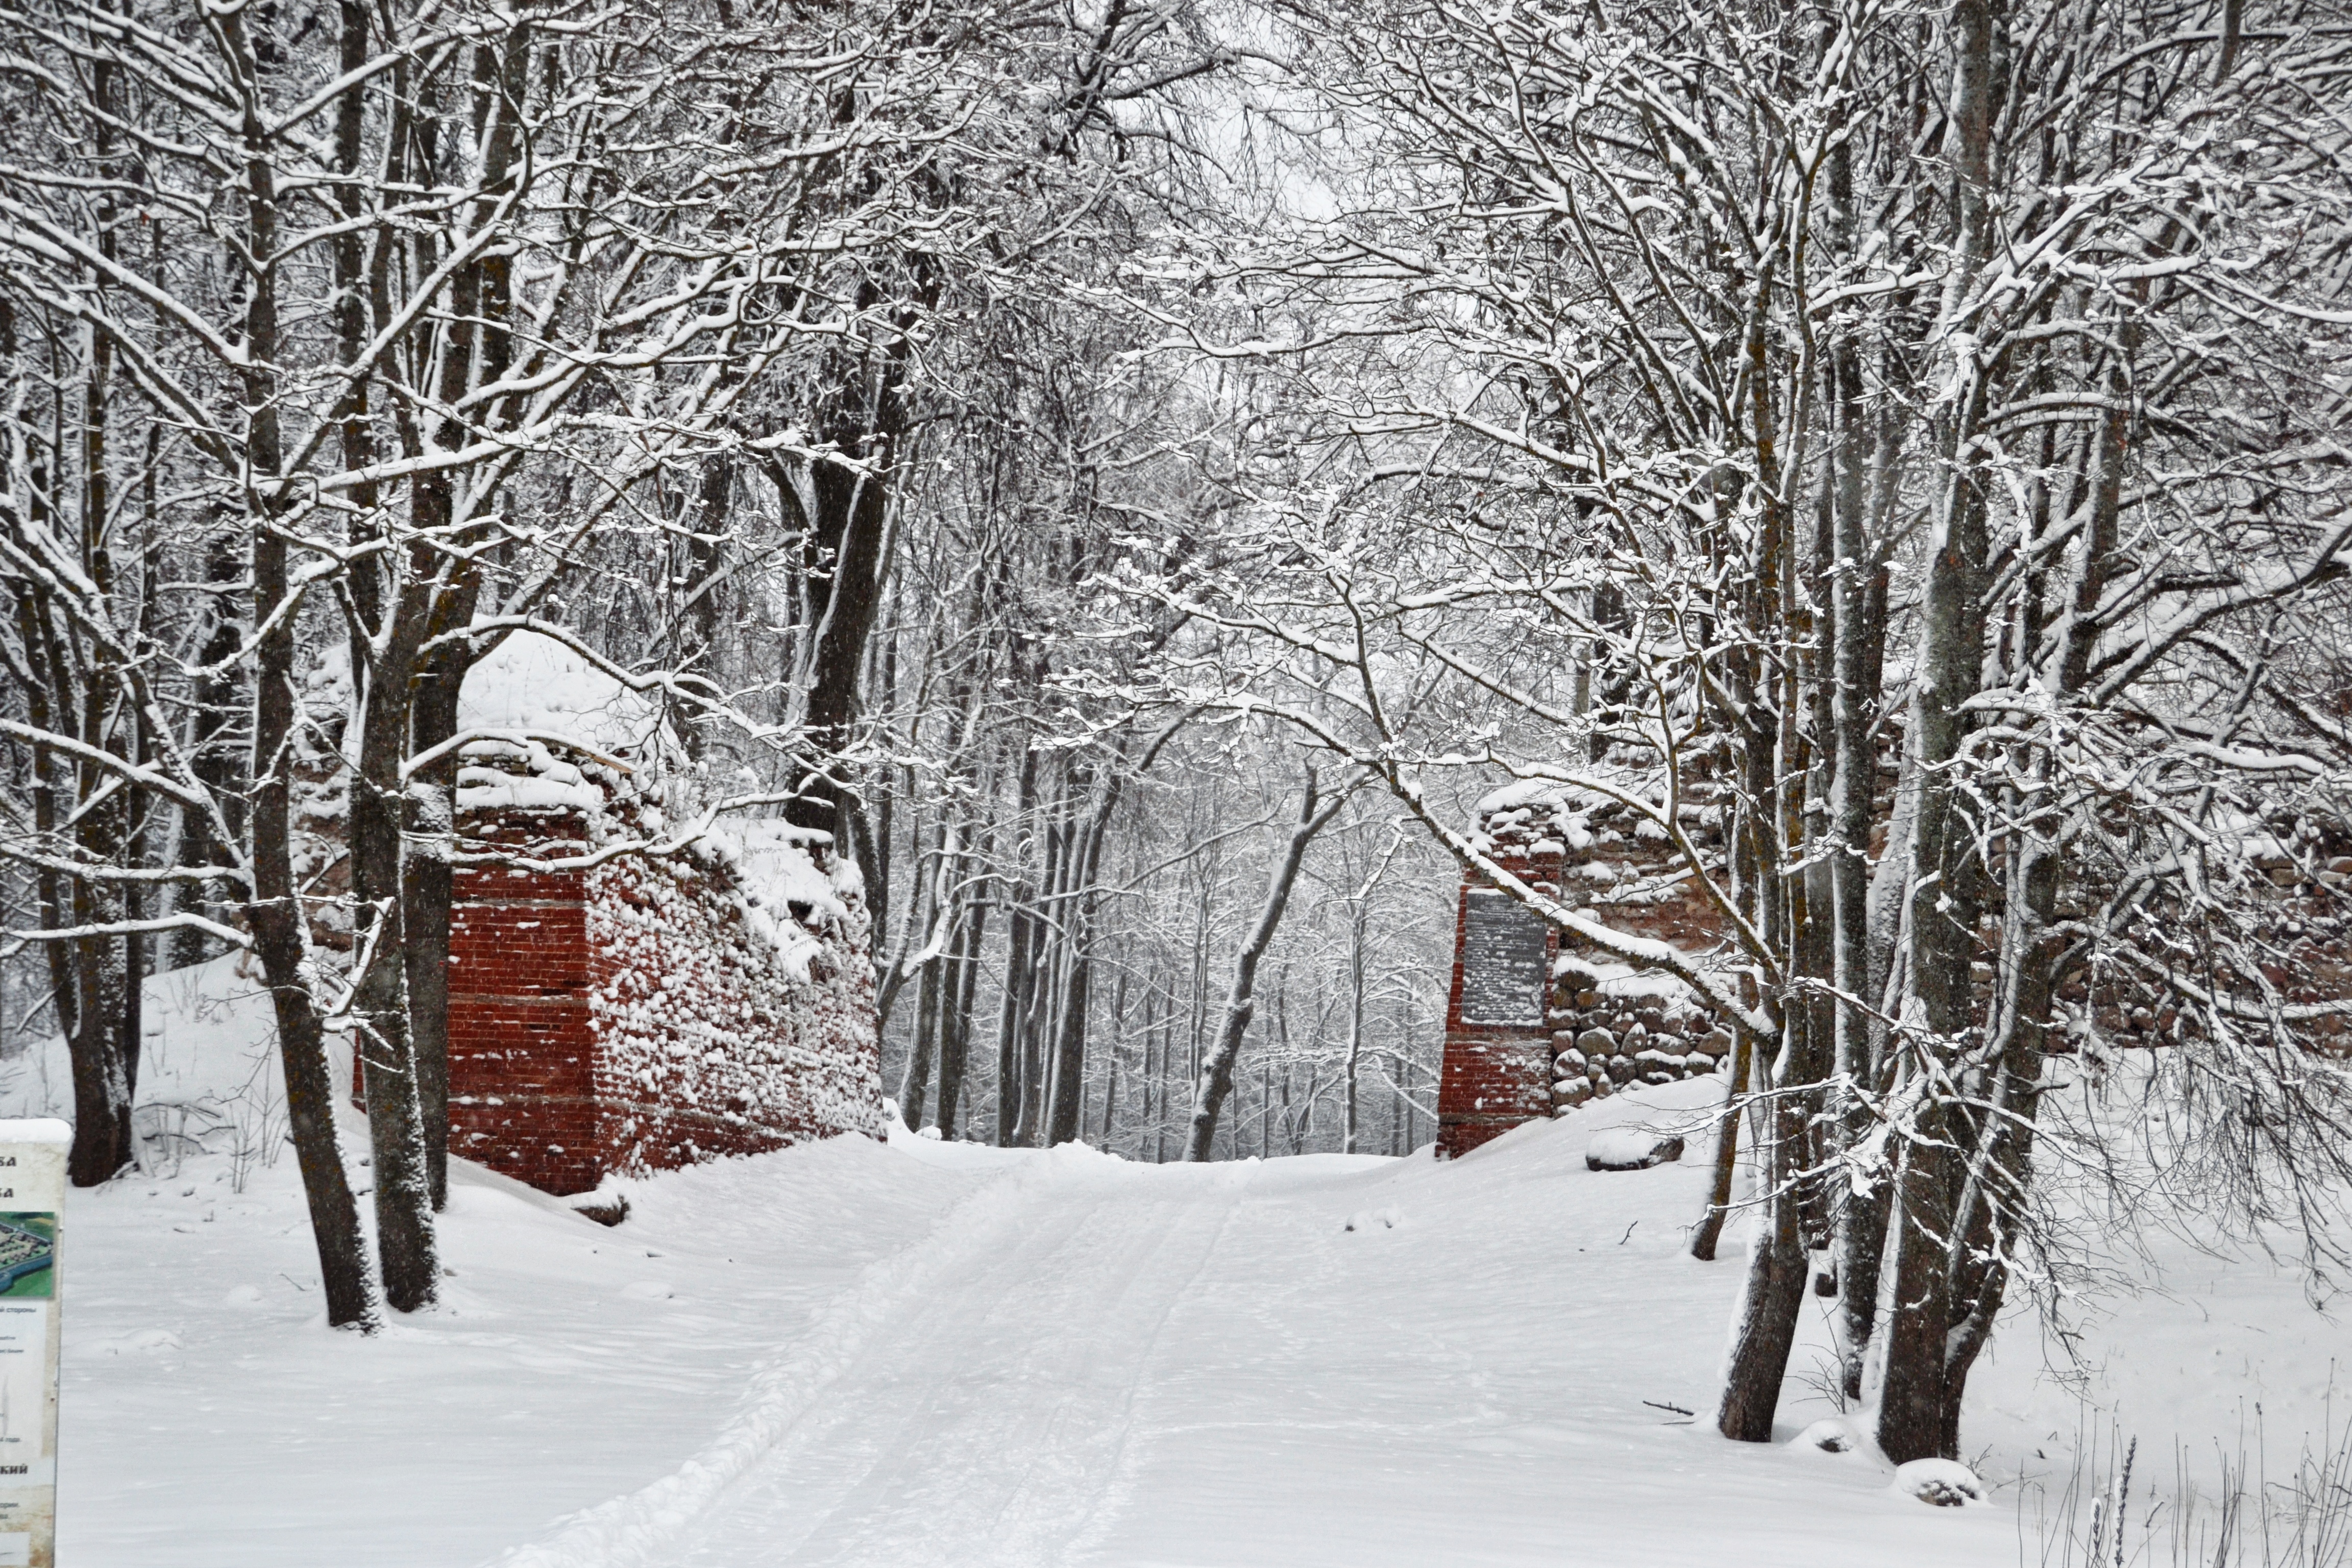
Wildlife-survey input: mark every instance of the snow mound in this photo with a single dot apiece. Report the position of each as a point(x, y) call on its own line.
point(1943, 1483)
point(1834, 1435)
point(209, 1077)
point(531, 682)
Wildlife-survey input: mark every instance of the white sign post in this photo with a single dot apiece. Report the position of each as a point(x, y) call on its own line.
point(32, 1200)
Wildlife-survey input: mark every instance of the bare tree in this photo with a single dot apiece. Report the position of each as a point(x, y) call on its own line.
point(1216, 1075)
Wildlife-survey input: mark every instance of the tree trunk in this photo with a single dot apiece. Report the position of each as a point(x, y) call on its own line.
point(1020, 958)
point(1070, 1053)
point(103, 1143)
point(1774, 1295)
point(275, 913)
point(405, 1243)
point(214, 699)
point(955, 1039)
point(1355, 1022)
point(426, 890)
point(1216, 1077)
point(1708, 1236)
point(1942, 914)
point(852, 512)
point(102, 1046)
point(915, 1083)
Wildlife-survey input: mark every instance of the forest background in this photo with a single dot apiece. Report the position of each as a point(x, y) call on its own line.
point(1133, 475)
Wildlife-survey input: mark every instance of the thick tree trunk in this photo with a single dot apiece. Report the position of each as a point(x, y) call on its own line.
point(104, 1045)
point(276, 918)
point(403, 1198)
point(103, 1143)
point(426, 892)
point(275, 913)
point(1855, 626)
point(1859, 1218)
point(1912, 1392)
point(1941, 919)
point(852, 510)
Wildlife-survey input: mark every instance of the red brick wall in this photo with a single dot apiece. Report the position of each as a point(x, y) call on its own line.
point(713, 1039)
point(522, 1052)
point(1492, 1079)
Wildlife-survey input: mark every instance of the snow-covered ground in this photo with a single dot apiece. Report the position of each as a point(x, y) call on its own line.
point(932, 1353)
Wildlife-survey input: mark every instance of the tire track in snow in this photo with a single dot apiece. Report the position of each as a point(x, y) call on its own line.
point(645, 1526)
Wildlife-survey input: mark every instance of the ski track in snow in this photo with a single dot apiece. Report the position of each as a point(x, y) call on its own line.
point(900, 1430)
point(964, 1434)
point(645, 1526)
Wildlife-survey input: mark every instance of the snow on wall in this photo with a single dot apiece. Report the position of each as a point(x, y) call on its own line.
point(531, 682)
point(648, 1012)
point(721, 1026)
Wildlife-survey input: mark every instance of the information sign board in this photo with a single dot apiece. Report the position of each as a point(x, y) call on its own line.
point(32, 1200)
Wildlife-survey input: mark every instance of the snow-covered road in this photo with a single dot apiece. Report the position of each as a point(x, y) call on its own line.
point(920, 1353)
point(1301, 1362)
point(993, 1418)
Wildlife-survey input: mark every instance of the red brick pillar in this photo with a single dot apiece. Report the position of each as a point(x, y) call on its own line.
point(1497, 1065)
point(522, 1048)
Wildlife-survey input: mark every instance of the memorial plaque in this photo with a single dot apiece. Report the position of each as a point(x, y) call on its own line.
point(32, 1193)
point(1503, 971)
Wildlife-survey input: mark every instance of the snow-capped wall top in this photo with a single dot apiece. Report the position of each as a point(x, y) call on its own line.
point(1552, 815)
point(547, 783)
point(531, 681)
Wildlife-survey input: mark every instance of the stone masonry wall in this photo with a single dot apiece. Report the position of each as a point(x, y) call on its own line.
point(1613, 1028)
point(1605, 1026)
